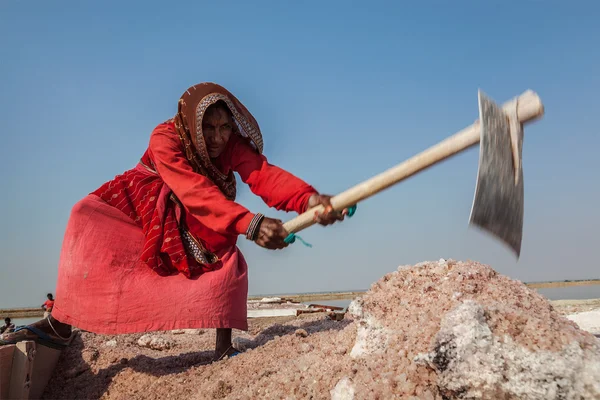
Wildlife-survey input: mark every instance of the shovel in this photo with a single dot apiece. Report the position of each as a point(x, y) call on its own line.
point(498, 202)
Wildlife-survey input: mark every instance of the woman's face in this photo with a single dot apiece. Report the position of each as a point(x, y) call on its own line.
point(217, 127)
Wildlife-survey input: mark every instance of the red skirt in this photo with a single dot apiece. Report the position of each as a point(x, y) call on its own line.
point(104, 287)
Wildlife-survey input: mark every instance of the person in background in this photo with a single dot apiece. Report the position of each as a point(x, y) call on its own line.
point(8, 326)
point(48, 305)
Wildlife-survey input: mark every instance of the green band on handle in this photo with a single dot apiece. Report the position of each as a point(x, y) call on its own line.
point(291, 238)
point(351, 210)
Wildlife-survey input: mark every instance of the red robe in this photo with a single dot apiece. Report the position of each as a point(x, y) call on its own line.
point(122, 250)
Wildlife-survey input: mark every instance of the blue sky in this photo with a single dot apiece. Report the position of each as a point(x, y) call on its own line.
point(341, 90)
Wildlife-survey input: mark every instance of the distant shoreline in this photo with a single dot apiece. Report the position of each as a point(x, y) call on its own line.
point(28, 312)
point(556, 284)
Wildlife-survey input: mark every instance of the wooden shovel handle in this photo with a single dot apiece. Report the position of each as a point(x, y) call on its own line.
point(530, 107)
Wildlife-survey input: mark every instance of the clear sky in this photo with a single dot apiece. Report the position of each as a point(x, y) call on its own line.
point(341, 90)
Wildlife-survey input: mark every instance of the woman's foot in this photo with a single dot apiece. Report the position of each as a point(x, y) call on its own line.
point(223, 353)
point(224, 347)
point(40, 331)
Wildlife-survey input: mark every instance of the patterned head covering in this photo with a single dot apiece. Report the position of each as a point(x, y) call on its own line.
point(188, 123)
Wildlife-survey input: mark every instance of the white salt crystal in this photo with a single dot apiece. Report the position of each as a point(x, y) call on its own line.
point(587, 320)
point(343, 390)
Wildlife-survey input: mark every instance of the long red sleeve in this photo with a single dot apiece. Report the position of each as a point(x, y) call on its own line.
point(200, 196)
point(278, 188)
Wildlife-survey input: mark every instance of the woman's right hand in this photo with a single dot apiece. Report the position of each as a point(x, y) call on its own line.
point(271, 234)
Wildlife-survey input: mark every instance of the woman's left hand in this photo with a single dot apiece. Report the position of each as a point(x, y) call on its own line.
point(329, 216)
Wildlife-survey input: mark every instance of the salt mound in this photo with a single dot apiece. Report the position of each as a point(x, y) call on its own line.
point(437, 330)
point(460, 330)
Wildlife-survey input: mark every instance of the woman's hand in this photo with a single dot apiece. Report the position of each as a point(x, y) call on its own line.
point(329, 216)
point(271, 234)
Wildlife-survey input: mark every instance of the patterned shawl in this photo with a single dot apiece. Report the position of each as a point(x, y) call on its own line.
point(188, 122)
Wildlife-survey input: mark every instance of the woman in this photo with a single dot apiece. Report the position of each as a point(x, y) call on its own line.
point(155, 248)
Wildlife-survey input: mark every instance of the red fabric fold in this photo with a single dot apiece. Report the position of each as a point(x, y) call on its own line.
point(145, 199)
point(104, 287)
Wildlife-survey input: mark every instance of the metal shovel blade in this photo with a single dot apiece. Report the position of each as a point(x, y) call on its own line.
point(498, 202)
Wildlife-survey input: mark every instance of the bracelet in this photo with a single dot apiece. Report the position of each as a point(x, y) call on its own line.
point(252, 230)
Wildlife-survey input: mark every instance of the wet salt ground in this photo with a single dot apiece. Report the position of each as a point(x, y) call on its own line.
point(117, 367)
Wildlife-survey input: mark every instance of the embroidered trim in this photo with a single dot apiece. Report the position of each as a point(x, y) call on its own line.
point(196, 250)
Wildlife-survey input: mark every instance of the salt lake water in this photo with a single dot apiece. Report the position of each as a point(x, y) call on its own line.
point(571, 292)
point(333, 303)
point(23, 321)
